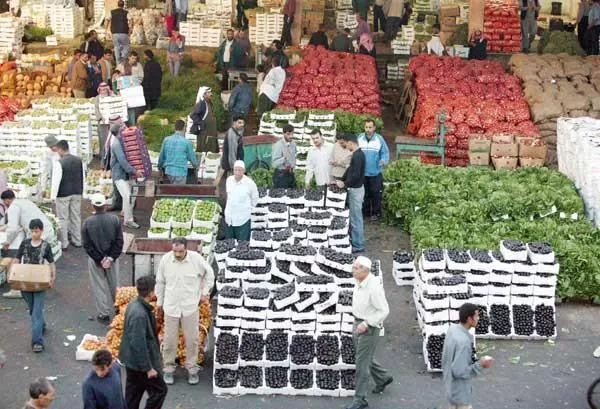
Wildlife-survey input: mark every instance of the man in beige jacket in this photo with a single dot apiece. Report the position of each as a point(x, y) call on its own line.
point(339, 160)
point(393, 10)
point(79, 82)
point(183, 281)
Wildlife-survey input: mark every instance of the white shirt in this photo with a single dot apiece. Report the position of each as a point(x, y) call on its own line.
point(242, 197)
point(181, 284)
point(227, 51)
point(18, 216)
point(369, 303)
point(435, 46)
point(47, 166)
point(273, 83)
point(317, 163)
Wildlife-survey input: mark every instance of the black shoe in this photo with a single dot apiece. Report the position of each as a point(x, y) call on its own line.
point(357, 405)
point(381, 388)
point(105, 319)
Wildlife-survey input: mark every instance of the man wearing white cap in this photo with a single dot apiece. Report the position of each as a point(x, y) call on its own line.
point(242, 197)
point(370, 308)
point(102, 237)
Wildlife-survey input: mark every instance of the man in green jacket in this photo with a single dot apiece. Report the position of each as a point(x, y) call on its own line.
point(140, 350)
point(229, 56)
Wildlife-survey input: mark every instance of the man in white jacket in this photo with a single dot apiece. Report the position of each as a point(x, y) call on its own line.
point(271, 88)
point(393, 10)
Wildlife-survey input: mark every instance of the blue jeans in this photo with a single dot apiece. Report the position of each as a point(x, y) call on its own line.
point(35, 303)
point(357, 232)
point(121, 46)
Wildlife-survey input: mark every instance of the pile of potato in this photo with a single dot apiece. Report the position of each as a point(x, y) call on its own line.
point(27, 85)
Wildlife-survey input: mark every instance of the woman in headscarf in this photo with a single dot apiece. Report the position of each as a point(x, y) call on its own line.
point(204, 122)
point(103, 121)
point(366, 45)
point(175, 52)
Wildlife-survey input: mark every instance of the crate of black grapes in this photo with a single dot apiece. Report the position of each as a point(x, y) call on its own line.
point(403, 267)
point(252, 348)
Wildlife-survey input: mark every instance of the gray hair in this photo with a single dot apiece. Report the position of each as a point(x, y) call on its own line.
point(39, 387)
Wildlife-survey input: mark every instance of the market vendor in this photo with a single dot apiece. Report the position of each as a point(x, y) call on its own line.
point(79, 80)
point(319, 37)
point(233, 145)
point(530, 10)
point(204, 122)
point(228, 57)
point(353, 179)
point(283, 160)
point(592, 35)
point(152, 80)
point(394, 10)
point(184, 280)
point(477, 46)
point(240, 98)
point(271, 88)
point(175, 153)
point(242, 197)
point(317, 160)
point(120, 31)
point(71, 66)
point(276, 50)
point(175, 51)
point(377, 155)
point(435, 45)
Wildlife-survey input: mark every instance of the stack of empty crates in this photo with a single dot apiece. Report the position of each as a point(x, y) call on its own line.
point(396, 70)
point(268, 28)
point(11, 36)
point(198, 36)
point(36, 14)
point(66, 22)
point(213, 14)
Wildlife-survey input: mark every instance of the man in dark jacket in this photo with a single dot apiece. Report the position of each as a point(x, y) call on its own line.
point(240, 98)
point(233, 145)
point(103, 243)
point(140, 350)
point(92, 45)
point(342, 42)
point(152, 80)
point(228, 57)
point(319, 37)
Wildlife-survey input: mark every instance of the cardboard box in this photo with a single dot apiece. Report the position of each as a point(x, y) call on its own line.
point(448, 22)
point(477, 145)
point(450, 11)
point(531, 162)
point(30, 277)
point(479, 159)
point(528, 151)
point(505, 163)
point(504, 149)
point(503, 138)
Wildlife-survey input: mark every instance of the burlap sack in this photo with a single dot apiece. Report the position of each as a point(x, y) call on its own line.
point(577, 113)
point(595, 102)
point(549, 126)
point(575, 102)
point(542, 111)
point(575, 66)
point(534, 92)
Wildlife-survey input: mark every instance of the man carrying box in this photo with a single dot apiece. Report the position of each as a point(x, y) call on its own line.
point(19, 214)
point(36, 251)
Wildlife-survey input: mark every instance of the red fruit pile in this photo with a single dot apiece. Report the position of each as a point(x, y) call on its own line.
point(502, 25)
point(330, 80)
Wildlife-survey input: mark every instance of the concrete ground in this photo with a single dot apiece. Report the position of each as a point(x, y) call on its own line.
point(528, 374)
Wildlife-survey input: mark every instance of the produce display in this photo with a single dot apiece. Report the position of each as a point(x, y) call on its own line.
point(98, 181)
point(578, 148)
point(8, 108)
point(330, 80)
point(502, 26)
point(285, 327)
point(514, 289)
point(472, 208)
point(477, 97)
point(30, 84)
point(114, 335)
point(67, 21)
point(267, 26)
point(558, 86)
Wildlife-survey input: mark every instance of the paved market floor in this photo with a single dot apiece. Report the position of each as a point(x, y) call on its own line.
point(529, 375)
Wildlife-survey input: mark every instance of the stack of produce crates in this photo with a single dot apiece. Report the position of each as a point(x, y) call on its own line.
point(66, 22)
point(11, 36)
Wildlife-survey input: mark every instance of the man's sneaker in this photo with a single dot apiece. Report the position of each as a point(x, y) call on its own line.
point(37, 348)
point(12, 294)
point(132, 225)
point(381, 388)
point(193, 379)
point(169, 378)
point(358, 405)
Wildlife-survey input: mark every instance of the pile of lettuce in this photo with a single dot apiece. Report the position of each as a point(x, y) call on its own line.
point(476, 208)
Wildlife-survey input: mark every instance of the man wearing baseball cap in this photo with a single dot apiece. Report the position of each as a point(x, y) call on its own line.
point(102, 237)
point(370, 308)
point(242, 197)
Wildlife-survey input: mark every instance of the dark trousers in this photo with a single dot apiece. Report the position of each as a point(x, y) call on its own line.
point(373, 192)
point(284, 180)
point(151, 103)
point(242, 20)
point(286, 34)
point(264, 105)
point(117, 199)
point(591, 36)
point(138, 383)
point(392, 26)
point(225, 76)
point(240, 233)
point(581, 30)
point(378, 18)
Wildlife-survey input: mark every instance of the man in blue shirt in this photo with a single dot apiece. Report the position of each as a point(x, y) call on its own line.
point(240, 99)
point(102, 388)
point(175, 153)
point(377, 156)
